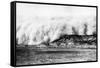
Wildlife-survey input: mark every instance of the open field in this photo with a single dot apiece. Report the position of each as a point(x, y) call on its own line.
point(72, 48)
point(26, 56)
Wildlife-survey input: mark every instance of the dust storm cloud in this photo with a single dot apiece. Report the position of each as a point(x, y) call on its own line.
point(38, 23)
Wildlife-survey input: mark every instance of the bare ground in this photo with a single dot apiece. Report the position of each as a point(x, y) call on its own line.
point(27, 56)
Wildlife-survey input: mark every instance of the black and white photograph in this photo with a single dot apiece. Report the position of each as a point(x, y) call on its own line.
point(54, 34)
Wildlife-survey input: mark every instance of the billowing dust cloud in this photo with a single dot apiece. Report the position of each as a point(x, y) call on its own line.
point(39, 23)
point(31, 33)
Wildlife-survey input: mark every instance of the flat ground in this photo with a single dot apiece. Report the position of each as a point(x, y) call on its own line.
point(27, 56)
